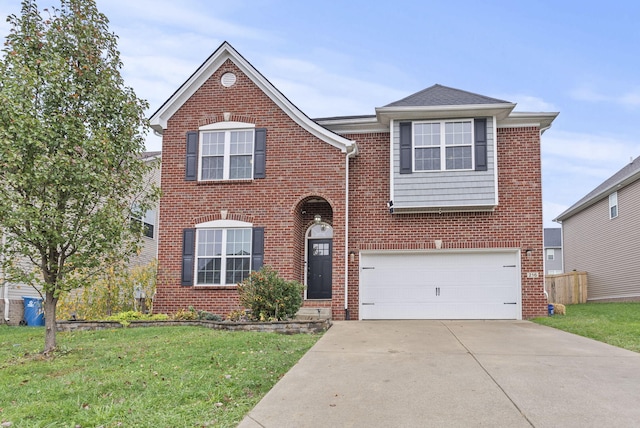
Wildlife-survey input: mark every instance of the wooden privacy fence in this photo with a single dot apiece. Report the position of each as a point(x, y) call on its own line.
point(567, 288)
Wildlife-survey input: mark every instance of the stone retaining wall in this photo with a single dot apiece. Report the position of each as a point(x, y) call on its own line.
point(283, 327)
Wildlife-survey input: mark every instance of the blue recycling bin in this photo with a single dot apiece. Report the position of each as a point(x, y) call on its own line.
point(33, 312)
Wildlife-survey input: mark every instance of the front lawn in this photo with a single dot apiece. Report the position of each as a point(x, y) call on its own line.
point(617, 324)
point(143, 377)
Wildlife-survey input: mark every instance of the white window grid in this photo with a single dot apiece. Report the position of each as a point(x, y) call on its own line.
point(443, 145)
point(215, 266)
point(226, 154)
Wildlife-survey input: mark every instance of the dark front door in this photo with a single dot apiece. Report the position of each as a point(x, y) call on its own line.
point(319, 269)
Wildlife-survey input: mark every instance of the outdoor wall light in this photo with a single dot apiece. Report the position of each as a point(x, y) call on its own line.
point(528, 251)
point(352, 255)
point(317, 219)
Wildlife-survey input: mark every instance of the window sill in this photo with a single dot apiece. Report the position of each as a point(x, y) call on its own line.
point(219, 182)
point(215, 287)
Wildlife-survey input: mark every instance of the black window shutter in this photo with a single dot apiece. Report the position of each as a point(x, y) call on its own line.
point(481, 144)
point(188, 255)
point(257, 248)
point(406, 157)
point(259, 154)
point(191, 170)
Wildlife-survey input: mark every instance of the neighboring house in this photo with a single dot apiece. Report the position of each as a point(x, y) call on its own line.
point(600, 236)
point(11, 304)
point(429, 208)
point(552, 251)
point(149, 249)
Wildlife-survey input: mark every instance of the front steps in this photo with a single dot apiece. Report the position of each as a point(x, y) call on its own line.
point(309, 314)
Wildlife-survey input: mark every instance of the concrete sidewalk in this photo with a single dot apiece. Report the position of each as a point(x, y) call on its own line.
point(454, 374)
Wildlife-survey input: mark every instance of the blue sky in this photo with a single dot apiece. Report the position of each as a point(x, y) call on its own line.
point(336, 58)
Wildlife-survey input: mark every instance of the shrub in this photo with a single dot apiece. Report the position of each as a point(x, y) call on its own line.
point(111, 292)
point(186, 314)
point(125, 318)
point(191, 314)
point(270, 297)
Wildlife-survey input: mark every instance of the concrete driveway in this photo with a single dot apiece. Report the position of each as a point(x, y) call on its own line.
point(454, 374)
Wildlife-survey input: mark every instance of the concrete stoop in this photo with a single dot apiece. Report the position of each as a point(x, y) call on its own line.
point(313, 314)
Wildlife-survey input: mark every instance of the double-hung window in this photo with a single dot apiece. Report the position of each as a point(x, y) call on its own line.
point(226, 154)
point(443, 146)
point(223, 256)
point(613, 205)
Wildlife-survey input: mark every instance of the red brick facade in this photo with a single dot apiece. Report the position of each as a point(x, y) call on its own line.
point(302, 172)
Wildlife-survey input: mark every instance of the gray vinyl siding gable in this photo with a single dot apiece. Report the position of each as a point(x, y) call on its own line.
point(607, 249)
point(556, 263)
point(435, 189)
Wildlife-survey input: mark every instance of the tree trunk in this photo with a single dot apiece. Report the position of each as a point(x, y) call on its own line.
point(50, 304)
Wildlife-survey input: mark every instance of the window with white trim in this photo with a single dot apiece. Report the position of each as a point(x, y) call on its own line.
point(550, 253)
point(613, 205)
point(226, 154)
point(223, 256)
point(443, 146)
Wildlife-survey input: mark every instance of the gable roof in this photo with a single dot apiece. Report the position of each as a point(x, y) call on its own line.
point(226, 52)
point(438, 100)
point(439, 95)
point(627, 175)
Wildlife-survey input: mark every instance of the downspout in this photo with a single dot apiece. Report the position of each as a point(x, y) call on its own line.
point(351, 152)
point(5, 284)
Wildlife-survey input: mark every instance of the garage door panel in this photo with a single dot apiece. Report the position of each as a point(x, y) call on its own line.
point(419, 285)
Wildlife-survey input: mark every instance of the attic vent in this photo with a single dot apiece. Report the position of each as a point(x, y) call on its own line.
point(228, 79)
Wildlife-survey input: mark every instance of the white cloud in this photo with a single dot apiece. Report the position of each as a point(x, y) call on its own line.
point(552, 210)
point(629, 98)
point(576, 147)
point(529, 103)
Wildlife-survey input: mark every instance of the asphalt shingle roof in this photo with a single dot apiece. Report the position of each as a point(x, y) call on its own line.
point(552, 237)
point(438, 95)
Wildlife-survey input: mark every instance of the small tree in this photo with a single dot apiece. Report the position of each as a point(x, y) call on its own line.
point(71, 135)
point(270, 297)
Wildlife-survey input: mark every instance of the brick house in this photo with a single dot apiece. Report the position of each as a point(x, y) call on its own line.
point(429, 208)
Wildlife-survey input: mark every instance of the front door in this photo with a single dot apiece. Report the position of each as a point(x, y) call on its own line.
point(319, 269)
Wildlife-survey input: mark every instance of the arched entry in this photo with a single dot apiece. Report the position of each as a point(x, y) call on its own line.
point(319, 250)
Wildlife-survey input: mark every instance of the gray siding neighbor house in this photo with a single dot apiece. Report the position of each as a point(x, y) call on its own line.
point(601, 236)
point(553, 251)
point(11, 302)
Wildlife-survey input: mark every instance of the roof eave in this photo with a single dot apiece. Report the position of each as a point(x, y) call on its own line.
point(385, 114)
point(353, 125)
point(518, 119)
point(575, 209)
point(159, 120)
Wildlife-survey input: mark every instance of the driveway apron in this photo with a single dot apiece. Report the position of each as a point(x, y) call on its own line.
point(454, 374)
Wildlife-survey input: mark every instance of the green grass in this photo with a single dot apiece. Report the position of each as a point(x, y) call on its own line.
point(617, 324)
point(143, 377)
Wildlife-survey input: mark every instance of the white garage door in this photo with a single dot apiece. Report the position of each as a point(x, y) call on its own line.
point(440, 285)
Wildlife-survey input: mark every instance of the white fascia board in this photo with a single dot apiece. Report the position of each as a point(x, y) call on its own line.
point(519, 119)
point(500, 111)
point(353, 125)
point(224, 52)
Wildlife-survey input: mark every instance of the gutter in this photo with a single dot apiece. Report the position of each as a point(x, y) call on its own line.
point(352, 151)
